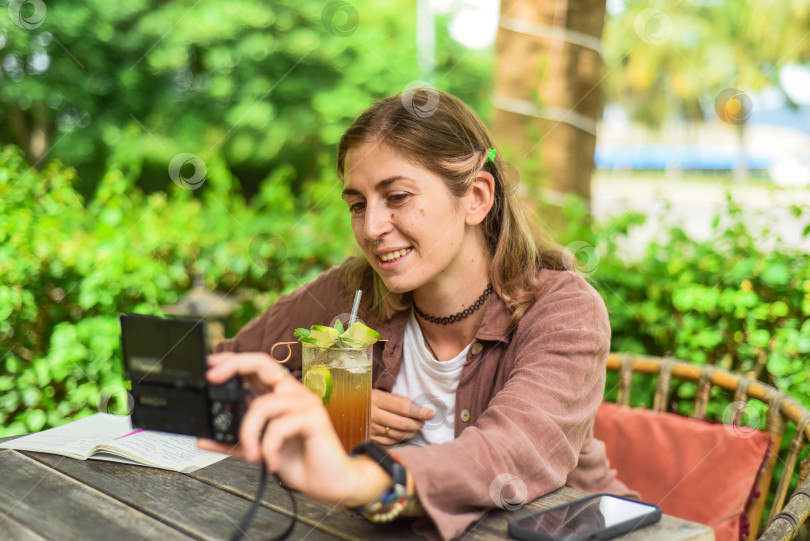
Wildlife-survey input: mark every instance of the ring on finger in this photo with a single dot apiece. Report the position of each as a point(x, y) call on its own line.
point(387, 429)
point(281, 376)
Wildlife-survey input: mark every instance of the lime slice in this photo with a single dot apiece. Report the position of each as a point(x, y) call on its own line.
point(323, 336)
point(318, 379)
point(359, 335)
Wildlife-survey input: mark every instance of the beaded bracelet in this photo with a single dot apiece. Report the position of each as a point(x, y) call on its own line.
point(397, 498)
point(391, 504)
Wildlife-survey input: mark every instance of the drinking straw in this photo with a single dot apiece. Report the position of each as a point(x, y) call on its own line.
point(355, 307)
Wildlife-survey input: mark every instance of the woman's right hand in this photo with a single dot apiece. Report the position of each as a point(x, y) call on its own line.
point(288, 426)
point(401, 417)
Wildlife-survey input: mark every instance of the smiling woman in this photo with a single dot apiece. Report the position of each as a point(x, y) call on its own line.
point(494, 364)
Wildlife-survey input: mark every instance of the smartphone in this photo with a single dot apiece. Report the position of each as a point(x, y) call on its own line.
point(600, 516)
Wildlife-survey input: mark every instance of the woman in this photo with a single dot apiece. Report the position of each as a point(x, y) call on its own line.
point(494, 365)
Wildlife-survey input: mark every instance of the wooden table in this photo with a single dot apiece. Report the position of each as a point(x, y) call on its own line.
point(52, 497)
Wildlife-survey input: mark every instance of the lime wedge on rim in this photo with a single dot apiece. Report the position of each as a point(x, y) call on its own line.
point(318, 379)
point(323, 336)
point(359, 335)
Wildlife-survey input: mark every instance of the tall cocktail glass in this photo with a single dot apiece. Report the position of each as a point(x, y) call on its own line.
point(348, 401)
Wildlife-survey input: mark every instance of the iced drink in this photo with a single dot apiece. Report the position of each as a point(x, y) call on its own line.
point(342, 377)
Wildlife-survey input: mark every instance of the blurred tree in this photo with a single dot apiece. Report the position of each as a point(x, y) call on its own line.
point(546, 89)
point(130, 84)
point(679, 61)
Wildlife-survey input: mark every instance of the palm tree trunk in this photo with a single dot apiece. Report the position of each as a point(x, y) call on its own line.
point(547, 100)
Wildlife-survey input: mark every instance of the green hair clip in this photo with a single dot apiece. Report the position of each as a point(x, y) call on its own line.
point(491, 154)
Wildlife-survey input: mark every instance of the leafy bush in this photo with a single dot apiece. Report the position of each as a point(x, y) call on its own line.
point(726, 301)
point(69, 268)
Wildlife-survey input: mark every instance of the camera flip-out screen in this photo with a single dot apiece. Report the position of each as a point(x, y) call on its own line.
point(165, 361)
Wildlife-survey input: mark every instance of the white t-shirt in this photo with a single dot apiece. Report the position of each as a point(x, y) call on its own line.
point(429, 383)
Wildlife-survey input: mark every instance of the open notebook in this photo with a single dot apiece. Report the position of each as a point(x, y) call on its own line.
point(110, 437)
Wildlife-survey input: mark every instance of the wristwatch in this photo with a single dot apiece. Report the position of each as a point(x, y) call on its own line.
point(389, 462)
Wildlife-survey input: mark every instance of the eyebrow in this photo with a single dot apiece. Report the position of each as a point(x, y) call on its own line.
point(379, 186)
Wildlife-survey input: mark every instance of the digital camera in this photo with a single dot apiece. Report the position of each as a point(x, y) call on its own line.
point(165, 359)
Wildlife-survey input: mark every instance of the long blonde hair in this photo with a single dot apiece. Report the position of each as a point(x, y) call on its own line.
point(442, 134)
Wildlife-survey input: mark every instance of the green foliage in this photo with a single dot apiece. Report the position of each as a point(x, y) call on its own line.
point(69, 268)
point(128, 84)
point(727, 300)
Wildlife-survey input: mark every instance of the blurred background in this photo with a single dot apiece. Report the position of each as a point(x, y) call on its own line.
point(178, 158)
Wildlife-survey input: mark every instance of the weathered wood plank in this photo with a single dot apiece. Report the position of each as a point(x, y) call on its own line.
point(54, 506)
point(194, 507)
point(11, 529)
point(242, 478)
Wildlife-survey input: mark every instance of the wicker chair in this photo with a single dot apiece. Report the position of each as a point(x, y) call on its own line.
point(784, 522)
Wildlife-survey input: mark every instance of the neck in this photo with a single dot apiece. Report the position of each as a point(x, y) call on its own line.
point(446, 341)
point(448, 295)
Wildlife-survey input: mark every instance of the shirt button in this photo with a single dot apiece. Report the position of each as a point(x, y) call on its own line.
point(465, 415)
point(476, 348)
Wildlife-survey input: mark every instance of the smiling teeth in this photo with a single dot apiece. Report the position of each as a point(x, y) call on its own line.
point(393, 256)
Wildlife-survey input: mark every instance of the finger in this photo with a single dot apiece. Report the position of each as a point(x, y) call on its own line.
point(398, 422)
point(259, 365)
point(424, 413)
point(265, 409)
point(385, 431)
point(278, 432)
point(391, 402)
point(217, 447)
point(217, 358)
point(383, 440)
point(401, 405)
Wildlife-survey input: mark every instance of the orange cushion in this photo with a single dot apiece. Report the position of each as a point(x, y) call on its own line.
point(694, 470)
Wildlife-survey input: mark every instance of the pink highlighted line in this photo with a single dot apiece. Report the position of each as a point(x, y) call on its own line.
point(131, 433)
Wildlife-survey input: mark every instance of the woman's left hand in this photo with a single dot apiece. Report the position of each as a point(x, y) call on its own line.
point(299, 444)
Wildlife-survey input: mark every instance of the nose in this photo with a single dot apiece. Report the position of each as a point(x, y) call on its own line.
point(377, 221)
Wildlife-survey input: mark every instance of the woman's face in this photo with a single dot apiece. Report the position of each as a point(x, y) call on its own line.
point(420, 225)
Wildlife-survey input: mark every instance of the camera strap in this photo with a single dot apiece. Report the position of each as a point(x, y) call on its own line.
point(248, 518)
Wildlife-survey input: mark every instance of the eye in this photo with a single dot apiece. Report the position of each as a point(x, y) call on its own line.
point(357, 207)
point(398, 198)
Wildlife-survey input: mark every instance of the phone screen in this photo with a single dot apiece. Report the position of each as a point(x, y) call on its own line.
point(585, 516)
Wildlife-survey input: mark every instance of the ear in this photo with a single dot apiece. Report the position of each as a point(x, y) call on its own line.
point(480, 198)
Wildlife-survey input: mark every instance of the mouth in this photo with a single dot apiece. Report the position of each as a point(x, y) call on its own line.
point(390, 257)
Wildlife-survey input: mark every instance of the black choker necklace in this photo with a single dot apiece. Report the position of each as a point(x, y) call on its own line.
point(464, 314)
